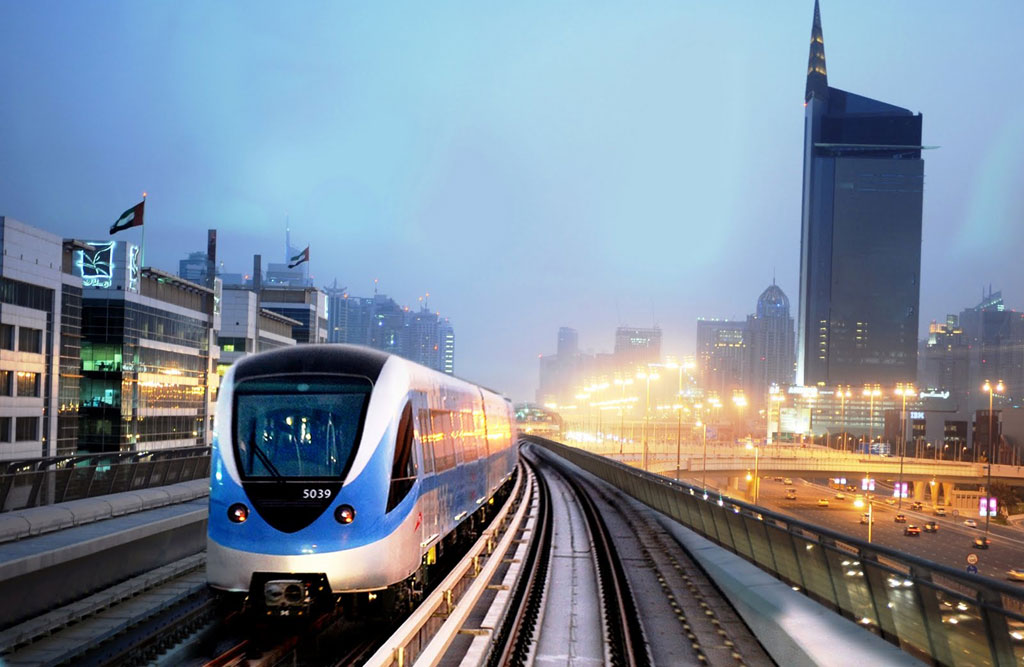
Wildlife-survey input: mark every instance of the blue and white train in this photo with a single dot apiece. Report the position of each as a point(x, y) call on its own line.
point(340, 469)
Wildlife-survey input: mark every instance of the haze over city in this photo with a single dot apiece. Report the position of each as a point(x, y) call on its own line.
point(530, 167)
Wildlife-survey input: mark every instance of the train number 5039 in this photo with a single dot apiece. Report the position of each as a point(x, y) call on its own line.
point(316, 493)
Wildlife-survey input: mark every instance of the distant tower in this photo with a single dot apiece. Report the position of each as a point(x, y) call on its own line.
point(860, 241)
point(771, 343)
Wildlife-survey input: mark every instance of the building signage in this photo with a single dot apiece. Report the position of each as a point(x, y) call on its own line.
point(97, 266)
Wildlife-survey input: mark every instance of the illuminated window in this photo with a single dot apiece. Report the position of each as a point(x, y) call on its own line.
point(5, 382)
point(28, 384)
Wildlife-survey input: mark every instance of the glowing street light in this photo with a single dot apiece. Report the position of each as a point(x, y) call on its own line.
point(991, 390)
point(903, 391)
point(648, 376)
point(871, 393)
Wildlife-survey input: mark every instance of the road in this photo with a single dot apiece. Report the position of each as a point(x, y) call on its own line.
point(949, 546)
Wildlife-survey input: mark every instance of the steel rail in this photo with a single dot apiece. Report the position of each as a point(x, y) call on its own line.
point(511, 642)
point(626, 643)
point(394, 649)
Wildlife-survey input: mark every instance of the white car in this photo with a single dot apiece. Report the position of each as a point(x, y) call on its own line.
point(971, 523)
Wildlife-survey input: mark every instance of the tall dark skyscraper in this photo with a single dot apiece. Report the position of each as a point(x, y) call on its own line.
point(860, 242)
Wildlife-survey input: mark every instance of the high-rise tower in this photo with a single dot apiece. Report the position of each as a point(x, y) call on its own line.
point(771, 343)
point(860, 241)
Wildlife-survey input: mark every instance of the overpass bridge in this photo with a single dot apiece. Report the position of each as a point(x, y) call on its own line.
point(928, 479)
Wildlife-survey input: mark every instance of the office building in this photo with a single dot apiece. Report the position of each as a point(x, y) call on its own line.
point(770, 331)
point(242, 332)
point(636, 346)
point(148, 353)
point(422, 336)
point(307, 305)
point(723, 356)
point(40, 319)
point(194, 268)
point(860, 244)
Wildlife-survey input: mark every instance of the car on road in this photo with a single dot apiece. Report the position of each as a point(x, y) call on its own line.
point(900, 518)
point(917, 506)
point(971, 523)
point(982, 543)
point(790, 494)
point(865, 518)
point(787, 481)
point(931, 527)
point(912, 531)
point(940, 511)
point(840, 496)
point(890, 501)
point(778, 479)
point(1015, 573)
point(822, 502)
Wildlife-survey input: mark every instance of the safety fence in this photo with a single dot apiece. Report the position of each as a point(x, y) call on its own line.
point(34, 482)
point(934, 612)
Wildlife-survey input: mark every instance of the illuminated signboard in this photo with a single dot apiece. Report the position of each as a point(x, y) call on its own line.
point(133, 268)
point(97, 266)
point(990, 502)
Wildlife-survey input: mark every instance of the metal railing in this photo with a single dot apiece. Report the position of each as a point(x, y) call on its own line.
point(933, 612)
point(43, 481)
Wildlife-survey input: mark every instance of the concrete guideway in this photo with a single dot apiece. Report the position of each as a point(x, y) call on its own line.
point(63, 561)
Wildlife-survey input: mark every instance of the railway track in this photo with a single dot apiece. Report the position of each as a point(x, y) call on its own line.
point(567, 565)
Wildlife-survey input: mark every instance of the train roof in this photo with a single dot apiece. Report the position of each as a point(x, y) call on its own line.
point(325, 358)
point(338, 358)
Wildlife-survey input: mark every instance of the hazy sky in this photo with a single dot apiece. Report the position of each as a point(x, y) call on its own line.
point(530, 164)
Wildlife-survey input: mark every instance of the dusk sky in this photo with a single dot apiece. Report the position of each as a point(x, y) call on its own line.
point(531, 165)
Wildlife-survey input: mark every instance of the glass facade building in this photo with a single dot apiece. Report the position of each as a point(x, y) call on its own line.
point(146, 361)
point(860, 244)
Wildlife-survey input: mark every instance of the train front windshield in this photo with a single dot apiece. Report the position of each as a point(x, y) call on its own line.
point(298, 427)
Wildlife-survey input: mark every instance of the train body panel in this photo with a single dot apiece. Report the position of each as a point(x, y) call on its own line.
point(303, 436)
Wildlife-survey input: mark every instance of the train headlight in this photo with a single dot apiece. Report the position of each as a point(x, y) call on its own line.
point(345, 514)
point(238, 513)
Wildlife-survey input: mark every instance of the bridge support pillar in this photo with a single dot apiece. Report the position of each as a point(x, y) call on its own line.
point(919, 490)
point(734, 485)
point(947, 493)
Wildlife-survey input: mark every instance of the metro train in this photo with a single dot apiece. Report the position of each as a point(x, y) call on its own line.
point(340, 469)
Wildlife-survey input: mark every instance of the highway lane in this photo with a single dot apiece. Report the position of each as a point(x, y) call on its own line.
point(949, 546)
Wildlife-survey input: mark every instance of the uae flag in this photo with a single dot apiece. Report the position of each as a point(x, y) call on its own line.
point(300, 258)
point(130, 218)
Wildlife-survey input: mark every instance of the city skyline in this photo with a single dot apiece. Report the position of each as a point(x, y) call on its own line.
point(599, 176)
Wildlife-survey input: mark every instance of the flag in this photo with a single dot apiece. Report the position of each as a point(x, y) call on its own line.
point(300, 258)
point(130, 218)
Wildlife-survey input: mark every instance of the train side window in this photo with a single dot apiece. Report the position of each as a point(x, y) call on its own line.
point(426, 439)
point(444, 447)
point(469, 445)
point(403, 468)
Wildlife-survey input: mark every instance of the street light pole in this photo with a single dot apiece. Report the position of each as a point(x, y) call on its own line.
point(903, 391)
point(648, 375)
point(997, 389)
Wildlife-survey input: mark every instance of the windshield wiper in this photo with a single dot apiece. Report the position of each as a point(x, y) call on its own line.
point(263, 455)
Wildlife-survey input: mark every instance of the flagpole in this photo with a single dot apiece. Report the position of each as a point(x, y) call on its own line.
point(142, 250)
